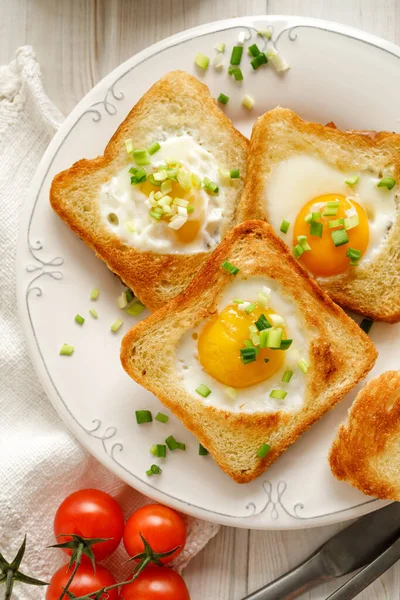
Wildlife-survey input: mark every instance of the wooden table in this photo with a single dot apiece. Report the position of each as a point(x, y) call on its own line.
point(77, 42)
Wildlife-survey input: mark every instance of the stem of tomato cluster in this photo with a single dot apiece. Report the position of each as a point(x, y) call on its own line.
point(9, 584)
point(79, 553)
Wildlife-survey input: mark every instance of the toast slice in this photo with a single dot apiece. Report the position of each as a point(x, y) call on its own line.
point(177, 105)
point(373, 287)
point(366, 450)
point(339, 354)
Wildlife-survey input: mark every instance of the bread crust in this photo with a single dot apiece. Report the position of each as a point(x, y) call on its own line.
point(365, 452)
point(340, 353)
point(374, 289)
point(178, 101)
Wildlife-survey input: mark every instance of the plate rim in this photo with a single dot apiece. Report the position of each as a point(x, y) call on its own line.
point(106, 85)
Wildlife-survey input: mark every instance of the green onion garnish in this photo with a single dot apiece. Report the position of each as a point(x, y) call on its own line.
point(297, 251)
point(236, 55)
point(248, 355)
point(279, 394)
point(266, 360)
point(135, 309)
point(181, 446)
point(308, 218)
point(94, 294)
point(353, 254)
point(67, 350)
point(352, 180)
point(116, 325)
point(129, 146)
point(340, 237)
point(171, 443)
point(230, 268)
point(154, 470)
point(316, 229)
point(351, 222)
point(210, 186)
point(263, 450)
point(201, 61)
point(315, 216)
point(249, 308)
point(150, 179)
point(273, 338)
point(387, 182)
point(202, 451)
point(203, 390)
point(331, 209)
point(190, 209)
point(302, 239)
point(284, 226)
point(220, 47)
point(79, 319)
point(156, 215)
point(259, 60)
point(303, 366)
point(237, 74)
point(162, 418)
point(285, 344)
point(366, 325)
point(161, 450)
point(143, 416)
point(138, 177)
point(287, 376)
point(262, 323)
point(93, 313)
point(141, 157)
point(129, 295)
point(248, 102)
point(265, 33)
point(234, 173)
point(153, 148)
point(335, 223)
point(254, 50)
point(223, 99)
point(153, 450)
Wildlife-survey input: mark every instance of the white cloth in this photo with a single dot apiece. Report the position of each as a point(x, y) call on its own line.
point(40, 461)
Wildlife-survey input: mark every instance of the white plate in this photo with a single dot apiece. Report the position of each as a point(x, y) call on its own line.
point(337, 74)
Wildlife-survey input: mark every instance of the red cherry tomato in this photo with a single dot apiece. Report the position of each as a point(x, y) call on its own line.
point(91, 514)
point(156, 583)
point(162, 528)
point(84, 582)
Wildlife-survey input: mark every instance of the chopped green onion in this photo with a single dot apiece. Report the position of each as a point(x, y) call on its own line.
point(335, 223)
point(230, 268)
point(266, 360)
point(181, 446)
point(201, 61)
point(254, 50)
point(315, 216)
point(150, 179)
point(67, 350)
point(316, 229)
point(354, 262)
point(303, 366)
point(265, 33)
point(141, 157)
point(231, 393)
point(129, 146)
point(116, 325)
point(237, 74)
point(162, 418)
point(171, 443)
point(203, 390)
point(223, 99)
point(276, 320)
point(135, 309)
point(340, 237)
point(153, 148)
point(248, 102)
point(156, 215)
point(248, 355)
point(130, 227)
point(154, 470)
point(79, 319)
point(285, 344)
point(284, 226)
point(190, 208)
point(331, 209)
point(262, 323)
point(138, 177)
point(236, 55)
point(249, 344)
point(274, 338)
point(143, 416)
point(287, 376)
point(263, 450)
point(387, 182)
point(249, 308)
point(202, 450)
point(302, 239)
point(161, 450)
point(353, 253)
point(153, 449)
point(258, 61)
point(234, 173)
point(210, 186)
point(122, 300)
point(366, 325)
point(93, 313)
point(129, 295)
point(351, 222)
point(308, 218)
point(279, 394)
point(94, 294)
point(352, 180)
point(297, 251)
point(220, 47)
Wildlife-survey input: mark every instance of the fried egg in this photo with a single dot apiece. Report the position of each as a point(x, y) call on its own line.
point(210, 355)
point(127, 209)
point(305, 187)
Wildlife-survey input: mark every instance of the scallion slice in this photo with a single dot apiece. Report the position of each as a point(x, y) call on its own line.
point(66, 350)
point(161, 450)
point(287, 376)
point(94, 294)
point(171, 443)
point(308, 218)
point(150, 179)
point(223, 99)
point(315, 216)
point(335, 223)
point(236, 55)
point(302, 239)
point(162, 418)
point(366, 324)
point(285, 344)
point(237, 74)
point(202, 451)
point(248, 355)
point(141, 157)
point(153, 450)
point(154, 470)
point(153, 148)
point(258, 61)
point(93, 313)
point(274, 338)
point(284, 226)
point(387, 182)
point(203, 390)
point(135, 309)
point(263, 450)
point(316, 229)
point(331, 209)
point(249, 308)
point(248, 102)
point(201, 61)
point(254, 50)
point(116, 325)
point(181, 446)
point(303, 366)
point(138, 177)
point(298, 251)
point(352, 180)
point(230, 268)
point(220, 47)
point(234, 174)
point(353, 254)
point(351, 222)
point(80, 320)
point(129, 146)
point(143, 416)
point(278, 394)
point(340, 237)
point(262, 323)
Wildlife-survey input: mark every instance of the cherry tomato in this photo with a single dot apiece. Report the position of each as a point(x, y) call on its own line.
point(91, 514)
point(84, 582)
point(156, 583)
point(162, 528)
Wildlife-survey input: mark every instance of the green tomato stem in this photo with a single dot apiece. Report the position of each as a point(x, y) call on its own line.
point(9, 584)
point(79, 553)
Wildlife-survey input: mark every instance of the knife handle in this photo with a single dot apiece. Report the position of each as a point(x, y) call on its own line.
point(294, 583)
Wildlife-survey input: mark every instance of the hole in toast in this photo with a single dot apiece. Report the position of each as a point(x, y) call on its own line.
point(112, 217)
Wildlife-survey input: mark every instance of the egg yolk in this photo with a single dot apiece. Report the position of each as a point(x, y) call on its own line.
point(325, 259)
point(219, 347)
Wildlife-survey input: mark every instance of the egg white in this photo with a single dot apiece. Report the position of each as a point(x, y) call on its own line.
point(254, 398)
point(118, 196)
point(292, 183)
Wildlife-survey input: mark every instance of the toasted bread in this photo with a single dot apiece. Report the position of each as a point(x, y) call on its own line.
point(177, 102)
point(340, 354)
point(372, 288)
point(366, 450)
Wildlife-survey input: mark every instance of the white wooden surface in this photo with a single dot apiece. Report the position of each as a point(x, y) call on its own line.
point(78, 42)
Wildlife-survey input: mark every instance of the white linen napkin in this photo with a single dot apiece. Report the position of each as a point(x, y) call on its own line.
point(40, 461)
